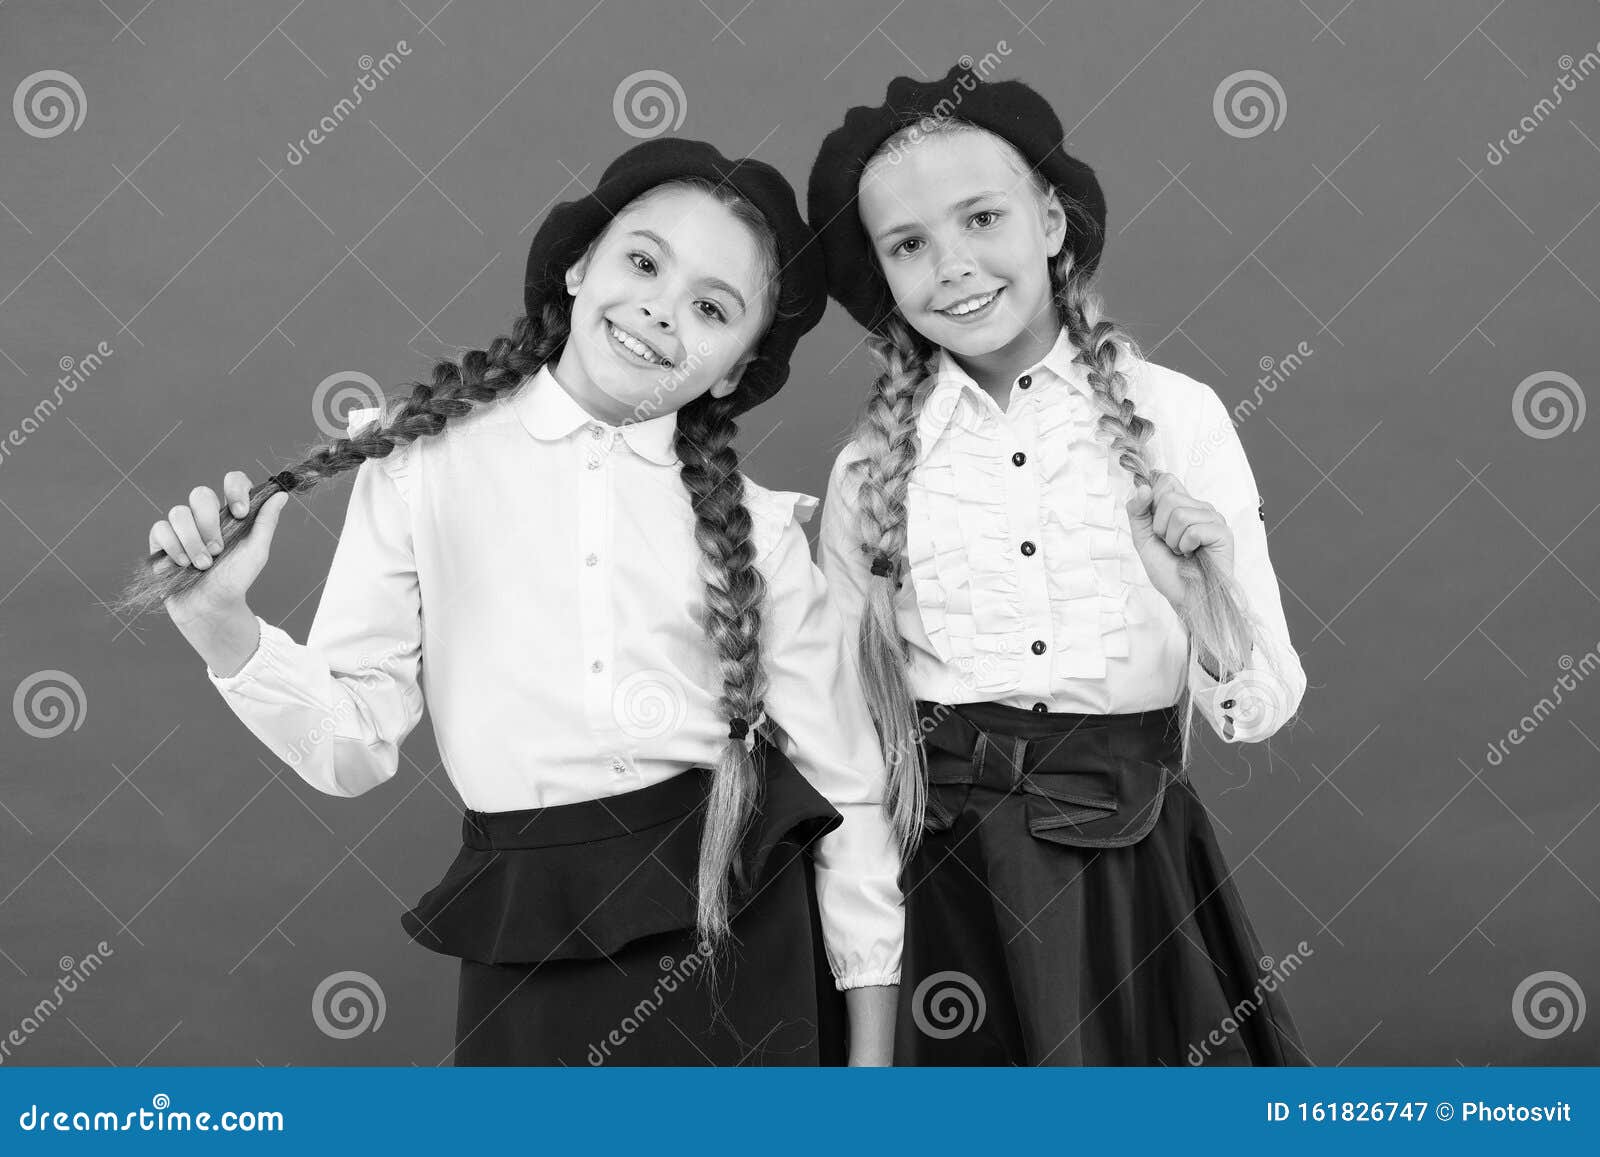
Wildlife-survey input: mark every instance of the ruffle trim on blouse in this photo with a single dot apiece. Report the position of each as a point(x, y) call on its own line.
point(965, 566)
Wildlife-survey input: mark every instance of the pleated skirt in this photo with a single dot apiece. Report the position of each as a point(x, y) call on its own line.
point(1069, 904)
point(575, 927)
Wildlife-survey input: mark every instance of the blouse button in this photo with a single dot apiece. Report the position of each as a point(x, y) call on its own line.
point(1025, 381)
point(594, 463)
point(1018, 458)
point(1028, 548)
point(1227, 703)
point(597, 666)
point(617, 765)
point(1038, 646)
point(595, 431)
point(591, 560)
point(1041, 708)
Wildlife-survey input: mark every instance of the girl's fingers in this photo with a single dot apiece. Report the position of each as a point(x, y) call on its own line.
point(163, 537)
point(1183, 520)
point(206, 506)
point(182, 520)
point(236, 491)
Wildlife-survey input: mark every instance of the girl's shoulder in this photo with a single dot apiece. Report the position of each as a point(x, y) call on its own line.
point(1172, 393)
point(771, 513)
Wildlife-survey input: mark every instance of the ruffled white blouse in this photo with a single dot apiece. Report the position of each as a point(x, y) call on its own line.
point(1023, 584)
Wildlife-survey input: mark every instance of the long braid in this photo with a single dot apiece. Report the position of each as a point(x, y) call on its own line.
point(887, 432)
point(457, 388)
point(1216, 619)
point(735, 593)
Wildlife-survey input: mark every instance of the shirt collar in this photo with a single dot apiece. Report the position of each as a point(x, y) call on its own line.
point(1053, 371)
point(550, 414)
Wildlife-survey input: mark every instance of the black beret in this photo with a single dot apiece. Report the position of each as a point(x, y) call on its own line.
point(1007, 108)
point(569, 228)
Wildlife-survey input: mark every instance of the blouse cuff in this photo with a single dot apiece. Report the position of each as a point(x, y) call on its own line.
point(253, 666)
point(863, 979)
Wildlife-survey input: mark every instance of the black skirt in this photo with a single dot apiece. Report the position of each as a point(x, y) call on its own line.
point(575, 925)
point(1069, 904)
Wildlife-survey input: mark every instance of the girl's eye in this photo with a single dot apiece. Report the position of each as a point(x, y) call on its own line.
point(716, 311)
point(648, 265)
point(985, 213)
point(901, 248)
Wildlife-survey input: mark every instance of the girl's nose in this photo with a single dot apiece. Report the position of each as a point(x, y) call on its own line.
point(954, 264)
point(657, 316)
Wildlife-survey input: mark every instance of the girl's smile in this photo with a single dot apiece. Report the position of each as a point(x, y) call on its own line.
point(974, 308)
point(634, 349)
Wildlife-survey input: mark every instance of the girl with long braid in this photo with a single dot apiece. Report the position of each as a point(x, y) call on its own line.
point(639, 686)
point(1051, 552)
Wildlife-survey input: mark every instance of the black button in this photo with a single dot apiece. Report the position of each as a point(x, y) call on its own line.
point(1025, 381)
point(1038, 646)
point(1227, 703)
point(1028, 548)
point(1018, 458)
point(1041, 708)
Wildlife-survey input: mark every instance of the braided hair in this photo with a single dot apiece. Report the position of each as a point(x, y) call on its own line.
point(734, 591)
point(886, 433)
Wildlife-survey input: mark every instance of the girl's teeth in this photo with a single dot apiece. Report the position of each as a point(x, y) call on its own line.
point(636, 347)
point(974, 304)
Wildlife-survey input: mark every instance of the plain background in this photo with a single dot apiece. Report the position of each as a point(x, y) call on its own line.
point(1437, 560)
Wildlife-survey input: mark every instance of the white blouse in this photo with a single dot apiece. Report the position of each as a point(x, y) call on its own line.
point(1022, 585)
point(535, 572)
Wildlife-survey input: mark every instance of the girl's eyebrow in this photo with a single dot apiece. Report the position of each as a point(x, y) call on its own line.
point(713, 282)
point(964, 203)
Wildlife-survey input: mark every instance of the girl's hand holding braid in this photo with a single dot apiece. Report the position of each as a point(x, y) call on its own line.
point(192, 535)
point(1169, 525)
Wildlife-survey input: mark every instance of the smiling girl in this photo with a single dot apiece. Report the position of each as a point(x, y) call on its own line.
point(632, 668)
point(1046, 545)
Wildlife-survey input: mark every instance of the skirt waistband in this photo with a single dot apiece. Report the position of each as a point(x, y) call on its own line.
point(586, 821)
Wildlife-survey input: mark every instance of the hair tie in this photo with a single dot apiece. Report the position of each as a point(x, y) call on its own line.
point(284, 479)
point(738, 727)
point(742, 730)
point(881, 566)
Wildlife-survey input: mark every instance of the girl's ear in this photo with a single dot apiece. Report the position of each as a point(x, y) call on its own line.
point(724, 386)
point(1055, 224)
point(576, 271)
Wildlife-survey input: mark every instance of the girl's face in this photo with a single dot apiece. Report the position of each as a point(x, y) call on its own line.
point(667, 305)
point(964, 240)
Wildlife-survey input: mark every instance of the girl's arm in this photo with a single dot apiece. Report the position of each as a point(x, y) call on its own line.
point(815, 698)
point(337, 708)
point(1252, 704)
